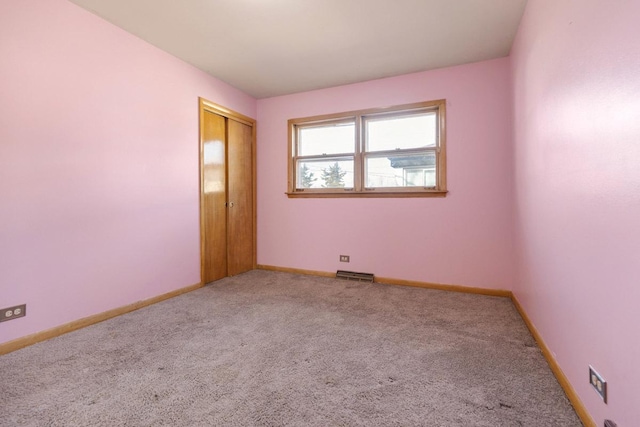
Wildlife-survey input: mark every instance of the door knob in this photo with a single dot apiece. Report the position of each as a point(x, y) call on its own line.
point(230, 204)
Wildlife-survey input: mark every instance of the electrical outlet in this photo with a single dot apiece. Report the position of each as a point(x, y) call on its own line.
point(13, 312)
point(598, 383)
point(344, 258)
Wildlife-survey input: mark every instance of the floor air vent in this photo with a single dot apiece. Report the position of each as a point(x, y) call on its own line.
point(352, 275)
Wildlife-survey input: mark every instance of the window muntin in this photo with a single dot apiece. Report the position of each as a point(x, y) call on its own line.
point(398, 151)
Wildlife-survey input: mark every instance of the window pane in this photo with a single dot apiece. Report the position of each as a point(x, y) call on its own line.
point(417, 170)
point(325, 173)
point(335, 138)
point(397, 133)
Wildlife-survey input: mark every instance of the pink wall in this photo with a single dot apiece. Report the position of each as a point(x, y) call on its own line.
point(98, 165)
point(576, 73)
point(463, 239)
point(99, 179)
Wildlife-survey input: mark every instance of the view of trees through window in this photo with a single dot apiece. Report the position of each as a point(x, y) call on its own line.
point(325, 174)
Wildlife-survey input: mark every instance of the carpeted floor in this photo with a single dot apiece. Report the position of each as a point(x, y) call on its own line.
point(271, 349)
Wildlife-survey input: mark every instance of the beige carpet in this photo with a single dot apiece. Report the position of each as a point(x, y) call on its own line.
point(271, 349)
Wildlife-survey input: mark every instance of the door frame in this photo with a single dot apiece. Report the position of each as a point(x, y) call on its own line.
point(208, 106)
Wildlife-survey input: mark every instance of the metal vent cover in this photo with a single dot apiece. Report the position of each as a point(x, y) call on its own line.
point(352, 275)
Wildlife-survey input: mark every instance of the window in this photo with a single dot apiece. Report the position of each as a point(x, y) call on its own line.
point(390, 152)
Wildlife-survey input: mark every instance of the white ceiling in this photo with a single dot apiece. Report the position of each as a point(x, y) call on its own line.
point(276, 47)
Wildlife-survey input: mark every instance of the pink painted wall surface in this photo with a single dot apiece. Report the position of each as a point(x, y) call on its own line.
point(576, 73)
point(98, 165)
point(463, 239)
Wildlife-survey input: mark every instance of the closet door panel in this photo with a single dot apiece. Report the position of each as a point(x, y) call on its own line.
point(214, 189)
point(240, 197)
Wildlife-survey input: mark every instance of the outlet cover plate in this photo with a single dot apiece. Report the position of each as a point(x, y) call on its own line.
point(598, 383)
point(14, 312)
point(344, 258)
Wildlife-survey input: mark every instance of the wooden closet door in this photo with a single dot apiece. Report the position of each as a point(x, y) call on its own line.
point(240, 197)
point(214, 189)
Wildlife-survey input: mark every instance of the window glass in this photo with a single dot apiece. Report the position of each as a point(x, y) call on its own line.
point(421, 177)
point(325, 173)
point(415, 170)
point(401, 132)
point(333, 138)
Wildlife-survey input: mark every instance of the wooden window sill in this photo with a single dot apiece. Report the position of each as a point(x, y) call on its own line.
point(367, 194)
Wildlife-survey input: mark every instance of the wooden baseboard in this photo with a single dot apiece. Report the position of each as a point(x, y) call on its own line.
point(573, 397)
point(28, 340)
point(441, 287)
point(400, 282)
point(295, 270)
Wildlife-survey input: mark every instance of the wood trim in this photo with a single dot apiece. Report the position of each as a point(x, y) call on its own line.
point(291, 154)
point(573, 397)
point(365, 194)
point(201, 110)
point(28, 340)
point(254, 161)
point(441, 159)
point(369, 111)
point(358, 158)
point(443, 287)
point(226, 112)
point(212, 107)
point(400, 282)
point(295, 270)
